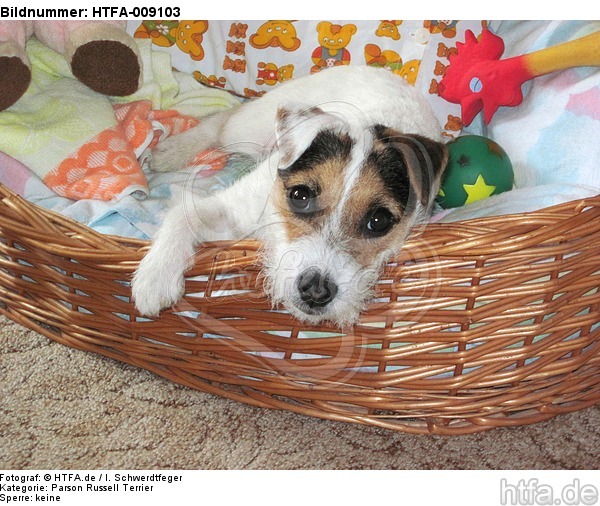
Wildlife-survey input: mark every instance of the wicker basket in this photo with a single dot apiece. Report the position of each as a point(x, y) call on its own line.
point(478, 324)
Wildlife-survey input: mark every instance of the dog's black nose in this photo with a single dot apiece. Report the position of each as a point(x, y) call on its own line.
point(315, 289)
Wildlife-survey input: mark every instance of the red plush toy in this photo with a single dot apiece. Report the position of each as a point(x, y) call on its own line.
point(477, 79)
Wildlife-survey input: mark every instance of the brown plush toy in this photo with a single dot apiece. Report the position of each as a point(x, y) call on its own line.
point(100, 54)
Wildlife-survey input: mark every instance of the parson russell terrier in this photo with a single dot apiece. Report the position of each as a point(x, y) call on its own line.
point(347, 161)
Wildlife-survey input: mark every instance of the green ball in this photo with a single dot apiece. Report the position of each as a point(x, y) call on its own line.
point(477, 168)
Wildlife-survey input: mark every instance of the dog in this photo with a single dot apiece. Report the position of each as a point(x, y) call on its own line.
point(348, 160)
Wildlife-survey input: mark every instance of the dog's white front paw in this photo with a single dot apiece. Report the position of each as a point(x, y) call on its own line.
point(155, 288)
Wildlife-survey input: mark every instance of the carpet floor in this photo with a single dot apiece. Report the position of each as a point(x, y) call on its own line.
point(62, 408)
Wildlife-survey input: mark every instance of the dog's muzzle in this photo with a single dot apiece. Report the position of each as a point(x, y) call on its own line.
point(315, 289)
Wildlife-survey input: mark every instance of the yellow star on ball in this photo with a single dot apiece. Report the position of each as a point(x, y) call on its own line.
point(479, 190)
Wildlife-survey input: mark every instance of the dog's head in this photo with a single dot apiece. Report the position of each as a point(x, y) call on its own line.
point(347, 197)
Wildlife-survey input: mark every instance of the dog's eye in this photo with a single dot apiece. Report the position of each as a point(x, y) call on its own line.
point(302, 199)
point(379, 222)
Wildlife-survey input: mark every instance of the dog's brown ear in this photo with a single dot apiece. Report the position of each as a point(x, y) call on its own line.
point(425, 161)
point(296, 127)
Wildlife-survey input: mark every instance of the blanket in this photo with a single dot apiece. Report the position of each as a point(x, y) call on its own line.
point(84, 145)
point(102, 144)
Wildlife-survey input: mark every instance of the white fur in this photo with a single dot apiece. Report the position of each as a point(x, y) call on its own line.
point(353, 99)
point(360, 96)
point(287, 260)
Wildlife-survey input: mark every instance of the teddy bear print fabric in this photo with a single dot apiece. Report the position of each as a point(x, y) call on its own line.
point(249, 58)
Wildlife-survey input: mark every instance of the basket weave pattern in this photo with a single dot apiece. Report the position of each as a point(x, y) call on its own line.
point(477, 324)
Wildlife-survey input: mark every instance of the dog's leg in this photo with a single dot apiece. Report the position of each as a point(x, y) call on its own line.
point(241, 210)
point(178, 151)
point(159, 280)
point(247, 129)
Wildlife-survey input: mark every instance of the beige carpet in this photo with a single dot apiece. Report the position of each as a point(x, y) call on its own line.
point(67, 409)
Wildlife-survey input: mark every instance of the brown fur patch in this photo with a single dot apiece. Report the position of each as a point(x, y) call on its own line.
point(327, 178)
point(369, 191)
point(423, 158)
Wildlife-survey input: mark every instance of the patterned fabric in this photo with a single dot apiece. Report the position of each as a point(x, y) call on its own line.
point(108, 165)
point(249, 58)
point(84, 145)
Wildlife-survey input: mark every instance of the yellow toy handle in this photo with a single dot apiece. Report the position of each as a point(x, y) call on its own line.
point(583, 52)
